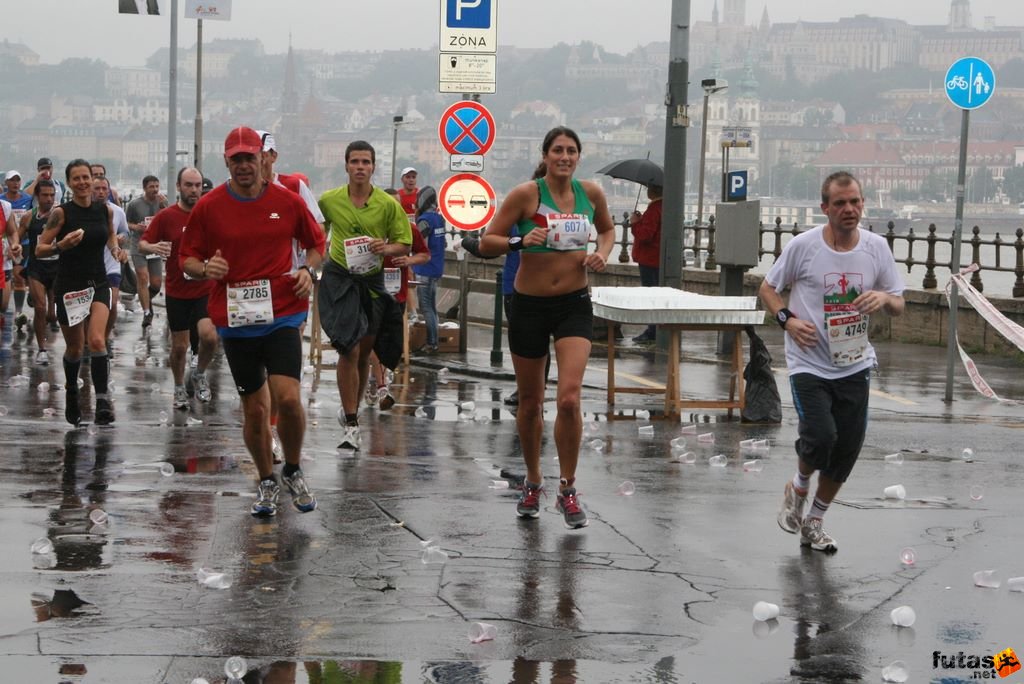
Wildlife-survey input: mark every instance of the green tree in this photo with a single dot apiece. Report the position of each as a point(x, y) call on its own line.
point(1013, 184)
point(981, 186)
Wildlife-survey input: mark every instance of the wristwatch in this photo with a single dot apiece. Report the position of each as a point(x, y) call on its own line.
point(783, 315)
point(515, 243)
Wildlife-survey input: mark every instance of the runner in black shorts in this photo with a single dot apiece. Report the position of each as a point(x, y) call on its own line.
point(554, 214)
point(41, 272)
point(78, 231)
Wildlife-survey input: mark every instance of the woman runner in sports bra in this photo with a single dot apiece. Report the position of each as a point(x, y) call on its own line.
point(554, 214)
point(79, 230)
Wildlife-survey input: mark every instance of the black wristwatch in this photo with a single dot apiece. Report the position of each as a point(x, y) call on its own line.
point(309, 269)
point(515, 243)
point(783, 315)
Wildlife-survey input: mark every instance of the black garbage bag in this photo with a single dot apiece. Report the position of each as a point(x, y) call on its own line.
point(763, 404)
point(129, 283)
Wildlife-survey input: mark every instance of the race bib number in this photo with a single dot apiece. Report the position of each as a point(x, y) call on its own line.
point(393, 280)
point(358, 256)
point(250, 303)
point(77, 305)
point(847, 338)
point(567, 232)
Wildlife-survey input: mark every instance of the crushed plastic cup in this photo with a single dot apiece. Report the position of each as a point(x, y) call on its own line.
point(896, 491)
point(688, 430)
point(43, 387)
point(718, 461)
point(967, 455)
point(1015, 584)
point(467, 405)
point(687, 457)
point(427, 543)
point(166, 469)
point(904, 616)
point(755, 466)
point(597, 444)
point(627, 488)
point(200, 680)
point(41, 546)
point(98, 516)
point(442, 371)
point(646, 429)
point(986, 579)
point(908, 557)
point(192, 421)
point(706, 438)
point(977, 492)
point(765, 611)
point(235, 667)
point(678, 443)
point(896, 672)
point(155, 388)
point(894, 459)
point(761, 444)
point(213, 579)
point(747, 443)
point(49, 412)
point(3, 411)
point(482, 631)
point(307, 370)
point(433, 555)
point(643, 415)
point(163, 417)
point(498, 484)
point(420, 412)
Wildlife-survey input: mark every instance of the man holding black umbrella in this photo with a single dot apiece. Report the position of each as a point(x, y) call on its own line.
point(646, 229)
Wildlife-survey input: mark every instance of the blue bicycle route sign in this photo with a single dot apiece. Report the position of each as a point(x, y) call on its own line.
point(970, 83)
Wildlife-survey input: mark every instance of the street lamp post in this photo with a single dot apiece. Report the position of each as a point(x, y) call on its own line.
point(395, 123)
point(710, 86)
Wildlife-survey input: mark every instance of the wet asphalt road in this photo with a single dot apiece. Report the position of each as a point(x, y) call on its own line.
point(659, 587)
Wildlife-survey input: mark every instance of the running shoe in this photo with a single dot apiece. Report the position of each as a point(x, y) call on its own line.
point(202, 387)
point(792, 512)
point(528, 505)
point(267, 493)
point(512, 399)
point(302, 498)
point(20, 320)
point(104, 411)
point(42, 358)
point(813, 535)
point(569, 506)
point(350, 438)
point(72, 412)
point(147, 319)
point(371, 394)
point(180, 399)
point(385, 400)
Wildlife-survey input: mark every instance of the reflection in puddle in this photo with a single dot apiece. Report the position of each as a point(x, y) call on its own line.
point(64, 603)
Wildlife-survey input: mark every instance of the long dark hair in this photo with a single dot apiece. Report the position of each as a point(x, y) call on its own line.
point(549, 139)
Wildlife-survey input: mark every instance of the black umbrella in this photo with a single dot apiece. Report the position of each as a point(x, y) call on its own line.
point(642, 171)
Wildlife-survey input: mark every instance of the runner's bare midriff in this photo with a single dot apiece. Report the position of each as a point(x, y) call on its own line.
point(547, 274)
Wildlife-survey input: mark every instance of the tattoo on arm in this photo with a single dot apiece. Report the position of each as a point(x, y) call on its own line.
point(55, 220)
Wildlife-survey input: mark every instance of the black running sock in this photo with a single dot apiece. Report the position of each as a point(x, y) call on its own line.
point(19, 300)
point(71, 369)
point(288, 470)
point(351, 419)
point(100, 372)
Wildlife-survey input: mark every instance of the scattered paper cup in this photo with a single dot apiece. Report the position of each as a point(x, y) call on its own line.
point(765, 611)
point(897, 491)
point(482, 631)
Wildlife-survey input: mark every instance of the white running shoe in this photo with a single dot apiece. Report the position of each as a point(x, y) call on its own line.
point(350, 438)
point(42, 358)
point(812, 534)
point(180, 398)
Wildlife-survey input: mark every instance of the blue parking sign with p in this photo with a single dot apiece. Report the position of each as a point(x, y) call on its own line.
point(737, 186)
point(469, 14)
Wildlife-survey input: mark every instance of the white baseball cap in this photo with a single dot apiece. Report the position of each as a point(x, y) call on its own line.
point(268, 141)
point(14, 174)
point(407, 170)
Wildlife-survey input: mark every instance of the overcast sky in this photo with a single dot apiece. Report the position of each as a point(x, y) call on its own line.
point(86, 29)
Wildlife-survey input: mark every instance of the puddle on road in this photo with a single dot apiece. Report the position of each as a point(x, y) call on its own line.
point(63, 604)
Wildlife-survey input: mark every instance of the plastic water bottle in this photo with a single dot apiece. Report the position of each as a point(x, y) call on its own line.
point(235, 667)
point(908, 557)
point(896, 671)
point(98, 516)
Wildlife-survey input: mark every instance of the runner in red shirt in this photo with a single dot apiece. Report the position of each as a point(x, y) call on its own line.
point(186, 298)
point(240, 236)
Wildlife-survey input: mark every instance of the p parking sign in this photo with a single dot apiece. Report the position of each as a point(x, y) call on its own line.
point(737, 186)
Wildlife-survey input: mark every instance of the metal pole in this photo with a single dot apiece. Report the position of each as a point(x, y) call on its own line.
point(496, 353)
point(703, 155)
point(172, 101)
point(954, 263)
point(670, 272)
point(394, 147)
point(197, 154)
